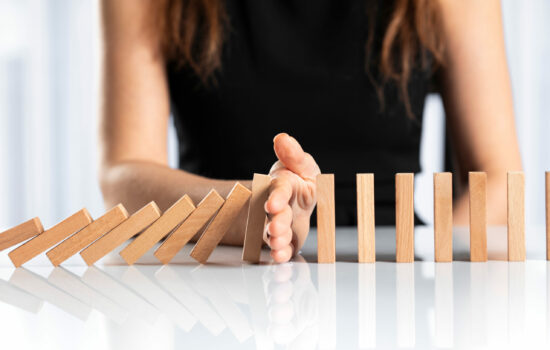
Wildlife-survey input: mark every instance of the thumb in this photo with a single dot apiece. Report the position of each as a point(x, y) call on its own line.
point(293, 157)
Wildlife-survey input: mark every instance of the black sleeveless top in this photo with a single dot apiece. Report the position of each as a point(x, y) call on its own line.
point(300, 67)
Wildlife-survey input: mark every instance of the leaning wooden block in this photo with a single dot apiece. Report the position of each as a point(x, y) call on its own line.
point(326, 221)
point(443, 217)
point(87, 235)
point(548, 215)
point(20, 233)
point(173, 216)
point(253, 238)
point(56, 234)
point(211, 237)
point(126, 230)
point(478, 216)
point(516, 216)
point(366, 243)
point(404, 217)
point(206, 209)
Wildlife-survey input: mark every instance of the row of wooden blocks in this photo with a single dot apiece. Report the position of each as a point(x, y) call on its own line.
point(214, 216)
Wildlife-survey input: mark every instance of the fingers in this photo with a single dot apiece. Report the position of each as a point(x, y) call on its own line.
point(280, 195)
point(282, 255)
point(293, 157)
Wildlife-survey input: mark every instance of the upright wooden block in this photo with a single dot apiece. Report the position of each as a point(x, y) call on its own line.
point(206, 209)
point(404, 217)
point(126, 230)
point(173, 216)
point(326, 221)
point(443, 217)
point(253, 238)
point(366, 243)
point(20, 233)
point(548, 215)
point(87, 235)
point(516, 216)
point(43, 241)
point(213, 234)
point(478, 216)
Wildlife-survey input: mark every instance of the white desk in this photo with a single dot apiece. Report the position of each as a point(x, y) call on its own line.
point(298, 305)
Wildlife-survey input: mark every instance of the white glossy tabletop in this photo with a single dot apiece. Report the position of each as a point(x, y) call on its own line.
point(299, 305)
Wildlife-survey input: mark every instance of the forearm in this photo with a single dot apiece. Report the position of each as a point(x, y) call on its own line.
point(135, 183)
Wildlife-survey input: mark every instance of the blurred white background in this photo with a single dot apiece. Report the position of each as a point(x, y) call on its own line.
point(49, 61)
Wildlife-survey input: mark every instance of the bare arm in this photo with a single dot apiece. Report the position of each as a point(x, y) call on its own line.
point(478, 101)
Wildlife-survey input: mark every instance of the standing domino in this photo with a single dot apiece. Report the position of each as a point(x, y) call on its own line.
point(516, 216)
point(326, 223)
point(478, 216)
point(366, 241)
point(404, 217)
point(443, 217)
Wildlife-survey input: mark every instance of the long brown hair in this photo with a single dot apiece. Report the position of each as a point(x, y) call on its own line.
point(193, 31)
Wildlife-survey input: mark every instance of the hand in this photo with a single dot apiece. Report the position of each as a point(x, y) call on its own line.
point(292, 198)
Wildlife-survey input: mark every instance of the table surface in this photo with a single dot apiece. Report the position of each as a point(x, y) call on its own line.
point(301, 305)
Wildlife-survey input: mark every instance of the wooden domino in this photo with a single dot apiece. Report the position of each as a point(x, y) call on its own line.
point(478, 216)
point(516, 216)
point(173, 216)
point(213, 234)
point(366, 243)
point(20, 233)
point(326, 222)
point(404, 217)
point(548, 215)
point(47, 239)
point(206, 209)
point(255, 224)
point(126, 230)
point(87, 235)
point(443, 217)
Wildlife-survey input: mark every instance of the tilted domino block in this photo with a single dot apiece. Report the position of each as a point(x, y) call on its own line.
point(255, 224)
point(20, 233)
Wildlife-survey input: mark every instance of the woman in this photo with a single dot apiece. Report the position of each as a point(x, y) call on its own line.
point(347, 79)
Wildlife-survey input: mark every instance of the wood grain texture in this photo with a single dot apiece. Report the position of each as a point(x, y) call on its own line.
point(443, 217)
point(516, 216)
point(20, 233)
point(326, 222)
point(548, 215)
point(56, 234)
point(255, 224)
point(126, 230)
point(206, 209)
point(214, 232)
point(404, 217)
point(366, 239)
point(171, 218)
point(478, 216)
point(87, 235)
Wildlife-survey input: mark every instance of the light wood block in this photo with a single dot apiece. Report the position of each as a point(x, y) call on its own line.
point(478, 216)
point(516, 216)
point(255, 225)
point(443, 217)
point(326, 221)
point(126, 230)
point(404, 217)
point(548, 215)
point(87, 235)
point(20, 233)
point(214, 232)
point(56, 234)
point(171, 218)
point(366, 243)
point(206, 209)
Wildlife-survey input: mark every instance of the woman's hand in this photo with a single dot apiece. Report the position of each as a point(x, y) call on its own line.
point(292, 198)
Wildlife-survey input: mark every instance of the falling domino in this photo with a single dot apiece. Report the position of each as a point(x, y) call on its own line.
point(516, 216)
point(20, 233)
point(548, 215)
point(255, 224)
point(404, 217)
point(173, 216)
point(206, 209)
point(56, 234)
point(126, 230)
point(478, 216)
point(213, 234)
point(365, 219)
point(443, 217)
point(87, 235)
point(326, 223)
